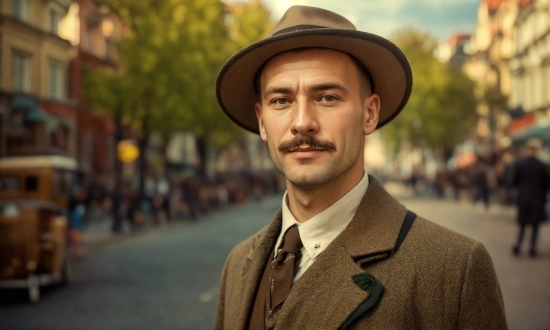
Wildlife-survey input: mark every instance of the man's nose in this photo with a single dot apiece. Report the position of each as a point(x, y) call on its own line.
point(305, 121)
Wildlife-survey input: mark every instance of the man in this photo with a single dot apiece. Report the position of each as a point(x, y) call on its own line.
point(532, 179)
point(341, 252)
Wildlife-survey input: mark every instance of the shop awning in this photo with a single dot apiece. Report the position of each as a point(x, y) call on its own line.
point(541, 130)
point(30, 106)
point(519, 124)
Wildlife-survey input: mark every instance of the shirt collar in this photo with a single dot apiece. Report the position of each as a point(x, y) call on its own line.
point(320, 230)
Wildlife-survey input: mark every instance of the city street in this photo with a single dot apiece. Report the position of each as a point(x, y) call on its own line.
point(167, 278)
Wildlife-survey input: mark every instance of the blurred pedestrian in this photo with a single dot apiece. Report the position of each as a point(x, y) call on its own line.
point(440, 181)
point(77, 216)
point(117, 200)
point(191, 192)
point(532, 179)
point(484, 180)
point(339, 253)
point(132, 206)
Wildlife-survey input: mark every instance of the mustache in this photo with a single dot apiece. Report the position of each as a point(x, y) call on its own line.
point(310, 141)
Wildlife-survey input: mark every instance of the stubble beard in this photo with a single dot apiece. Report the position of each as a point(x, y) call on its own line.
point(304, 176)
point(310, 177)
point(307, 176)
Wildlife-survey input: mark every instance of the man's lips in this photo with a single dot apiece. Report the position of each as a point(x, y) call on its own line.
point(306, 149)
point(305, 144)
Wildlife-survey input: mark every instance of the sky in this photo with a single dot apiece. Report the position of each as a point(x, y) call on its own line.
point(441, 18)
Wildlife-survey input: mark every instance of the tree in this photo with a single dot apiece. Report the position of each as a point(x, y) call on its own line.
point(169, 60)
point(442, 108)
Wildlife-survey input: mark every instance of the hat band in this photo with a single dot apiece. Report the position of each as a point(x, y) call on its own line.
point(299, 28)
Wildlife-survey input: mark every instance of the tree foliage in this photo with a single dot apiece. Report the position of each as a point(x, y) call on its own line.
point(169, 59)
point(442, 108)
point(249, 22)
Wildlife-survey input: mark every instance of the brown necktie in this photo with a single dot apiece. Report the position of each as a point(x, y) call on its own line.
point(284, 267)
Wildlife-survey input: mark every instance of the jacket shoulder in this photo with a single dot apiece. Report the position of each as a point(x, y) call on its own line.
point(439, 241)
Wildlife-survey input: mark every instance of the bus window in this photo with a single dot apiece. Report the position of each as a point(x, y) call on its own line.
point(31, 183)
point(9, 183)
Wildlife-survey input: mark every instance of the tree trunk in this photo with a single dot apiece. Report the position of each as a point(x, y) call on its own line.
point(202, 150)
point(163, 149)
point(119, 136)
point(142, 145)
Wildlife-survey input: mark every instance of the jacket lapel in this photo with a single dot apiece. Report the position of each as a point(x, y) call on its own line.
point(371, 236)
point(253, 269)
point(373, 232)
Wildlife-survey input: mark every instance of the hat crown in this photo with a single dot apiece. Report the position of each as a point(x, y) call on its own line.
point(298, 17)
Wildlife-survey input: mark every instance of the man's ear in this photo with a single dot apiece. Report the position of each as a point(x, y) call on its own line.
point(372, 112)
point(258, 109)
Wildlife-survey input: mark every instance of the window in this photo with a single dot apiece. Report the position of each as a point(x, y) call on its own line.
point(9, 183)
point(54, 21)
point(21, 9)
point(92, 23)
point(57, 81)
point(88, 38)
point(21, 72)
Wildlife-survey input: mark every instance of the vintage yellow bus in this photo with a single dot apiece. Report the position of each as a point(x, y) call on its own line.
point(34, 193)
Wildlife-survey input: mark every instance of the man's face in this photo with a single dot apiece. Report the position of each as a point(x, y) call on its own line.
point(313, 116)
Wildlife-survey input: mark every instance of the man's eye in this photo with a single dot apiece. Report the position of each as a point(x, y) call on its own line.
point(281, 101)
point(328, 98)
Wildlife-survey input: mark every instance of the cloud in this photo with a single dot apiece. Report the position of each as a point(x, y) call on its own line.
point(439, 17)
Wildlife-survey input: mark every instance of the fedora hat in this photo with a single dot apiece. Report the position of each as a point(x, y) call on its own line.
point(306, 27)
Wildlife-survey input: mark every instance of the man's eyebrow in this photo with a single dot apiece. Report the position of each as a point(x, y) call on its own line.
point(327, 86)
point(310, 89)
point(277, 90)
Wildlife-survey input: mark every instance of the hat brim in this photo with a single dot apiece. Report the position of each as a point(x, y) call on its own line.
point(386, 63)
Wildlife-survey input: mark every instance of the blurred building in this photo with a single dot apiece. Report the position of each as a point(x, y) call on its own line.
point(45, 47)
point(455, 50)
point(95, 33)
point(510, 63)
point(530, 67)
point(492, 49)
point(36, 115)
point(508, 56)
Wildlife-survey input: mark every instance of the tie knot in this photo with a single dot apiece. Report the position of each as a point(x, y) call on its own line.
point(291, 240)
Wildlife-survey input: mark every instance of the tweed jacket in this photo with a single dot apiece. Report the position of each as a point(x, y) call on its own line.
point(437, 279)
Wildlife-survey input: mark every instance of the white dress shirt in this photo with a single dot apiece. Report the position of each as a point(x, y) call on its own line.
point(319, 231)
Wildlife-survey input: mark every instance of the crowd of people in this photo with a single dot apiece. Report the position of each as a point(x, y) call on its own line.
point(162, 201)
point(486, 180)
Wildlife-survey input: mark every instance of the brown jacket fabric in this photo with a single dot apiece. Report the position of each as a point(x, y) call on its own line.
point(438, 279)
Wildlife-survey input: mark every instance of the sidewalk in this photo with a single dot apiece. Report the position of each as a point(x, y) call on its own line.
point(98, 233)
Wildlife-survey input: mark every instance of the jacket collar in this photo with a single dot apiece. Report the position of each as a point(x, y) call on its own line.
point(371, 235)
point(373, 232)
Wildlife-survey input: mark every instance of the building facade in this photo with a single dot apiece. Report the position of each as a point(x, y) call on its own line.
point(492, 49)
point(36, 114)
point(530, 67)
point(95, 33)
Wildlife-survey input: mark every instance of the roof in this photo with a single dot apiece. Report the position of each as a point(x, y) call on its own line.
point(456, 38)
point(493, 5)
point(62, 162)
